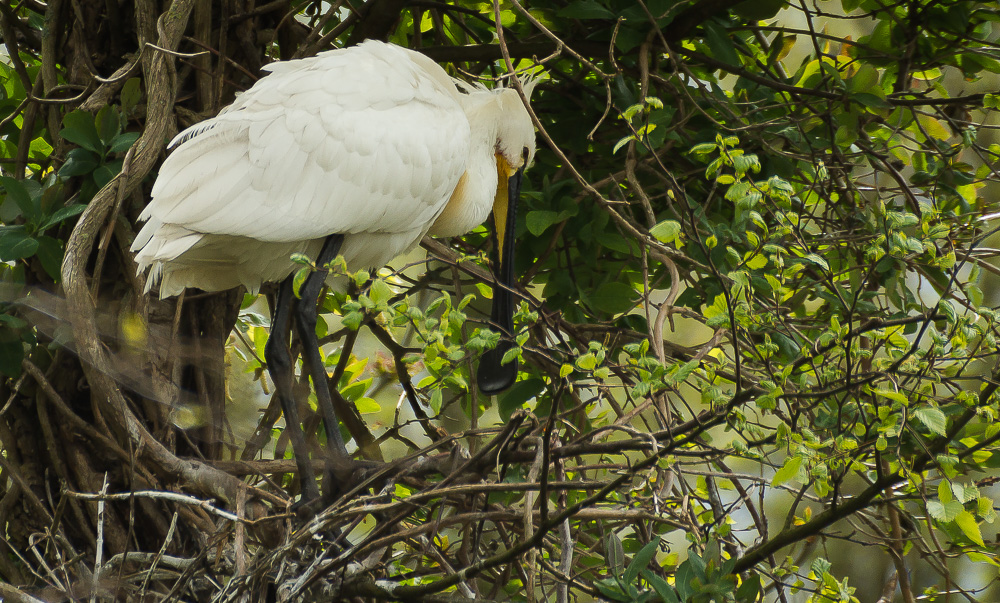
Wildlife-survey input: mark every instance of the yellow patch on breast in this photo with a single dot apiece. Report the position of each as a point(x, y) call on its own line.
point(452, 211)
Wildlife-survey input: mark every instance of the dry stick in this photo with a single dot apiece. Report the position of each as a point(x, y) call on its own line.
point(897, 543)
point(79, 246)
point(159, 555)
point(12, 594)
point(528, 523)
point(48, 73)
point(78, 424)
point(404, 378)
point(99, 549)
point(160, 495)
point(469, 572)
point(566, 543)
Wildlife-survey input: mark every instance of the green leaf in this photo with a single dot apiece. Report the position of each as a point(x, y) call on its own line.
point(967, 523)
point(538, 221)
point(666, 231)
point(892, 395)
point(813, 258)
point(518, 394)
point(437, 398)
point(11, 353)
point(12, 321)
point(845, 137)
point(299, 279)
point(788, 471)
point(613, 298)
point(80, 129)
point(50, 254)
point(667, 594)
point(610, 589)
point(757, 262)
point(933, 419)
point(614, 554)
point(944, 491)
point(79, 162)
point(380, 293)
point(720, 44)
point(945, 512)
point(16, 244)
point(587, 362)
point(62, 214)
point(131, 94)
point(871, 101)
point(19, 194)
point(864, 79)
point(703, 148)
point(641, 560)
point(624, 141)
point(122, 142)
point(586, 9)
point(108, 124)
point(367, 406)
point(750, 589)
point(106, 172)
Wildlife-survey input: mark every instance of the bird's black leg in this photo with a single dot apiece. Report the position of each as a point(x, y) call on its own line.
point(306, 315)
point(279, 365)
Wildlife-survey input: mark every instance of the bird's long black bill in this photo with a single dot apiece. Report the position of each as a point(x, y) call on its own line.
point(494, 377)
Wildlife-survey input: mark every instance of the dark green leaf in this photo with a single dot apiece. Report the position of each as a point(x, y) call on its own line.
point(870, 100)
point(613, 298)
point(131, 95)
point(719, 42)
point(122, 142)
point(108, 124)
point(518, 394)
point(107, 172)
point(683, 579)
point(50, 254)
point(80, 129)
point(17, 191)
point(61, 214)
point(14, 322)
point(614, 553)
point(697, 565)
point(749, 590)
point(611, 590)
point(641, 560)
point(758, 10)
point(666, 592)
point(11, 353)
point(586, 9)
point(538, 221)
point(933, 419)
point(15, 243)
point(78, 163)
point(666, 231)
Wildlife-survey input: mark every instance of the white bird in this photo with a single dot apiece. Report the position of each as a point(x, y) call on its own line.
point(360, 151)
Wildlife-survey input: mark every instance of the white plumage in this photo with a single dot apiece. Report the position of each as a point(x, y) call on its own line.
point(374, 142)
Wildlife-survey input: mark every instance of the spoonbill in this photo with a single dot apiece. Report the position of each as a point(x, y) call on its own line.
point(359, 152)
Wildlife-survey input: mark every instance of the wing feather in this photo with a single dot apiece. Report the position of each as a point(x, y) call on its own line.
point(362, 140)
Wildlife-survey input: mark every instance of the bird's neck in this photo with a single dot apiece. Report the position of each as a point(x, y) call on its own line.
point(471, 202)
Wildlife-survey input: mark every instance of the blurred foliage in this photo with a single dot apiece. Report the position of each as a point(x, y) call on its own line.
point(752, 254)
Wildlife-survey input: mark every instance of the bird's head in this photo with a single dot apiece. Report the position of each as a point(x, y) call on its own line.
point(515, 132)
